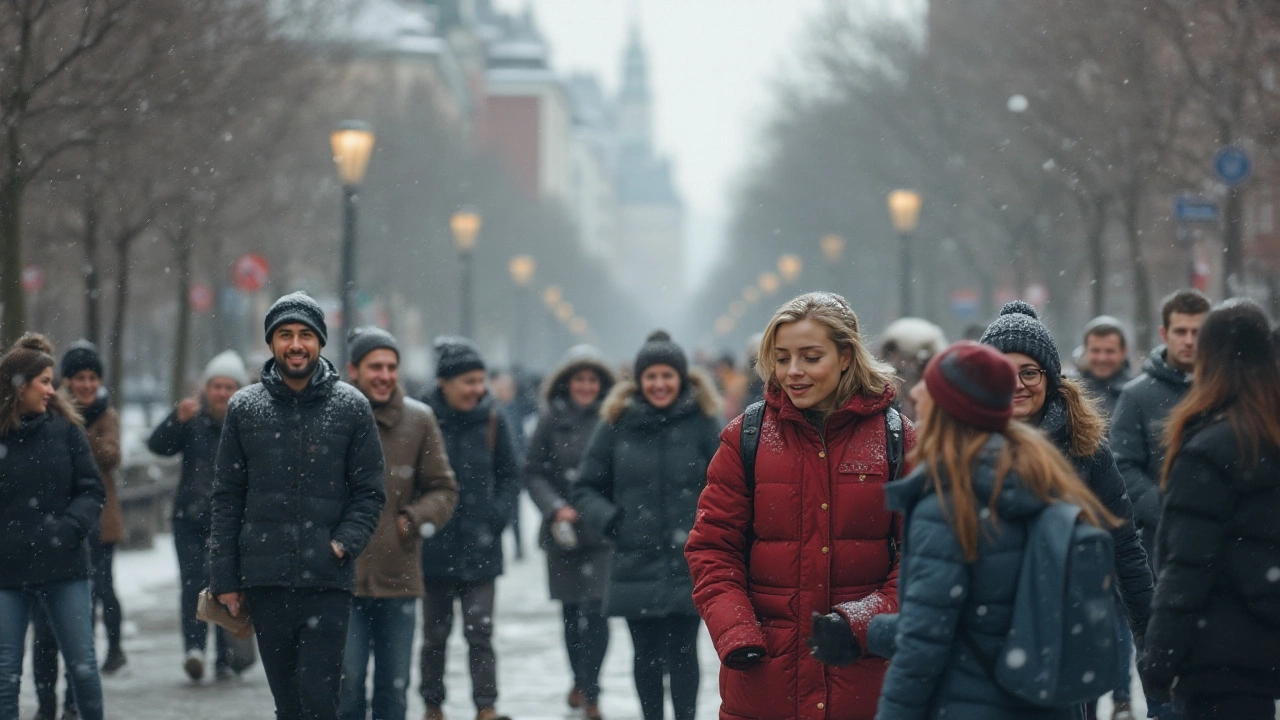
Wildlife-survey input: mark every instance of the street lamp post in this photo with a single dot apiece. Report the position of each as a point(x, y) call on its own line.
point(465, 225)
point(522, 269)
point(904, 211)
point(352, 143)
point(832, 249)
point(790, 266)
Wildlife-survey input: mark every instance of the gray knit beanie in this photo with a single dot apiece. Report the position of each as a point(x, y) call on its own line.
point(1019, 330)
point(297, 307)
point(455, 356)
point(363, 340)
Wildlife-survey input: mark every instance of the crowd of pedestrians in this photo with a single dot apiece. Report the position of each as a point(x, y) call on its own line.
point(866, 531)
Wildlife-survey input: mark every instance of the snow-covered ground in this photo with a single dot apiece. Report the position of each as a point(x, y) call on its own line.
point(532, 666)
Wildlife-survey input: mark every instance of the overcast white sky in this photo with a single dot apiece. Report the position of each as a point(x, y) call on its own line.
point(711, 66)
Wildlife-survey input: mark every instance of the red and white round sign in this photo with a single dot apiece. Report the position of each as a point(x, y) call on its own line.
point(251, 272)
point(32, 279)
point(201, 297)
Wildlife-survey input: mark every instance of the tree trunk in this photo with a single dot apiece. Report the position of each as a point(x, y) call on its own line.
point(1233, 278)
point(182, 251)
point(14, 319)
point(116, 353)
point(1098, 256)
point(92, 284)
point(1142, 306)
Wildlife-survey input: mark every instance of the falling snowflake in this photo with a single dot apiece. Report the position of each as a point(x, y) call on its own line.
point(1016, 658)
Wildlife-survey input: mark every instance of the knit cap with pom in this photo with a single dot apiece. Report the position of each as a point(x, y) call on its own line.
point(659, 349)
point(1019, 330)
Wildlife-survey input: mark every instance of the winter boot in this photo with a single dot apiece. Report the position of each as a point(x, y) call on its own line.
point(194, 664)
point(433, 713)
point(576, 698)
point(115, 660)
point(592, 712)
point(489, 713)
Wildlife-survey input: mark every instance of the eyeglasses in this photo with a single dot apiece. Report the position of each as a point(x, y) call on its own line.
point(1031, 378)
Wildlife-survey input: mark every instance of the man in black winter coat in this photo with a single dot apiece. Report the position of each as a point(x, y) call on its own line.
point(1104, 367)
point(1137, 427)
point(298, 491)
point(461, 562)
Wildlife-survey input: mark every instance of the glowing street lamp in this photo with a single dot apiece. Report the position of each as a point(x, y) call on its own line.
point(790, 267)
point(552, 296)
point(465, 225)
point(832, 247)
point(751, 294)
point(904, 213)
point(578, 326)
point(522, 269)
point(769, 283)
point(352, 143)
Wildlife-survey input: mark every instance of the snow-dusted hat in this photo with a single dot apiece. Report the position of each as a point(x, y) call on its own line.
point(82, 355)
point(1106, 325)
point(1019, 330)
point(297, 307)
point(363, 340)
point(227, 364)
point(455, 356)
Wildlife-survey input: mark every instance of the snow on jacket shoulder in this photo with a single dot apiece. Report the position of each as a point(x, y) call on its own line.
point(823, 540)
point(949, 607)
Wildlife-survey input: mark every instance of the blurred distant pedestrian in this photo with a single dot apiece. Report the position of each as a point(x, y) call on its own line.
point(421, 496)
point(51, 498)
point(638, 485)
point(755, 383)
point(1215, 627)
point(193, 429)
point(1137, 425)
point(732, 385)
point(81, 370)
point(968, 511)
point(297, 493)
point(792, 558)
point(1059, 406)
point(462, 560)
point(577, 559)
point(1104, 364)
point(908, 344)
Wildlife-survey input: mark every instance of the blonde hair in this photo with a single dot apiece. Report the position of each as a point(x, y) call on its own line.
point(866, 375)
point(949, 449)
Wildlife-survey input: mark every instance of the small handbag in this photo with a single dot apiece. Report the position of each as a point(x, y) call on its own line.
point(208, 609)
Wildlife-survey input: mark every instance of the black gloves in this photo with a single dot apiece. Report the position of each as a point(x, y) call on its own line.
point(833, 641)
point(744, 658)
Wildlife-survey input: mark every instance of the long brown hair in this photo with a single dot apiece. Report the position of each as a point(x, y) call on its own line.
point(24, 362)
point(1238, 375)
point(1085, 423)
point(866, 375)
point(949, 449)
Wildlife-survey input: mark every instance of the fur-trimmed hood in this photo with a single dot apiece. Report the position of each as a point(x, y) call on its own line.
point(556, 387)
point(699, 390)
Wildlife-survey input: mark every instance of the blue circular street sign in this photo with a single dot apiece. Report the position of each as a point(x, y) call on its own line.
point(1233, 165)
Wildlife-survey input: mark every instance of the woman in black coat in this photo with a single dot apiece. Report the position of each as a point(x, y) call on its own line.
point(51, 499)
point(577, 561)
point(1215, 627)
point(1059, 407)
point(639, 485)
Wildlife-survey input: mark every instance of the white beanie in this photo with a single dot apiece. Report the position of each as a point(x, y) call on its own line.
point(227, 364)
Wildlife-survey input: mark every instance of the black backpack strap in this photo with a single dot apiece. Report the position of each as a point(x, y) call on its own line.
point(748, 446)
point(896, 445)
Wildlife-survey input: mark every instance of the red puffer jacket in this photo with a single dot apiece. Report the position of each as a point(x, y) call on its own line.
point(823, 541)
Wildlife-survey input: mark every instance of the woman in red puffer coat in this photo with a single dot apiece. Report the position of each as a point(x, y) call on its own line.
point(791, 632)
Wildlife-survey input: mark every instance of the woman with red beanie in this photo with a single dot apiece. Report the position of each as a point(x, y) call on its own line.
point(979, 482)
point(803, 551)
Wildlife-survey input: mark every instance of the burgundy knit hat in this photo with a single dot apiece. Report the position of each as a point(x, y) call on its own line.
point(974, 384)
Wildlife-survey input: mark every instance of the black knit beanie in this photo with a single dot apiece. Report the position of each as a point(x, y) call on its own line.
point(455, 356)
point(1019, 330)
point(82, 355)
point(297, 307)
point(659, 349)
point(363, 340)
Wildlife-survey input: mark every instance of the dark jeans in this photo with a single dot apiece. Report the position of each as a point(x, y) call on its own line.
point(666, 646)
point(477, 628)
point(69, 607)
point(192, 544)
point(1229, 706)
point(301, 637)
point(44, 646)
point(586, 636)
point(385, 626)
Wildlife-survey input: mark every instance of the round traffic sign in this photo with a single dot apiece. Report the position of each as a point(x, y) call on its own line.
point(251, 272)
point(1233, 166)
point(32, 279)
point(201, 297)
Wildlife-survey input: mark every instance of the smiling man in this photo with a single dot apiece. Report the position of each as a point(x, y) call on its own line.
point(298, 490)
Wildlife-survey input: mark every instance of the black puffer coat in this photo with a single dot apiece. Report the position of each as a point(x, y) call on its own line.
point(1216, 619)
point(551, 467)
point(295, 471)
point(1099, 473)
point(197, 440)
point(1107, 390)
point(51, 497)
point(483, 457)
point(1137, 436)
point(639, 484)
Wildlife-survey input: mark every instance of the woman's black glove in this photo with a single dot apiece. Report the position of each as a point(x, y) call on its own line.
point(833, 641)
point(744, 658)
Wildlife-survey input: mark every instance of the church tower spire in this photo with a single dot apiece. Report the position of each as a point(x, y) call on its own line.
point(634, 100)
